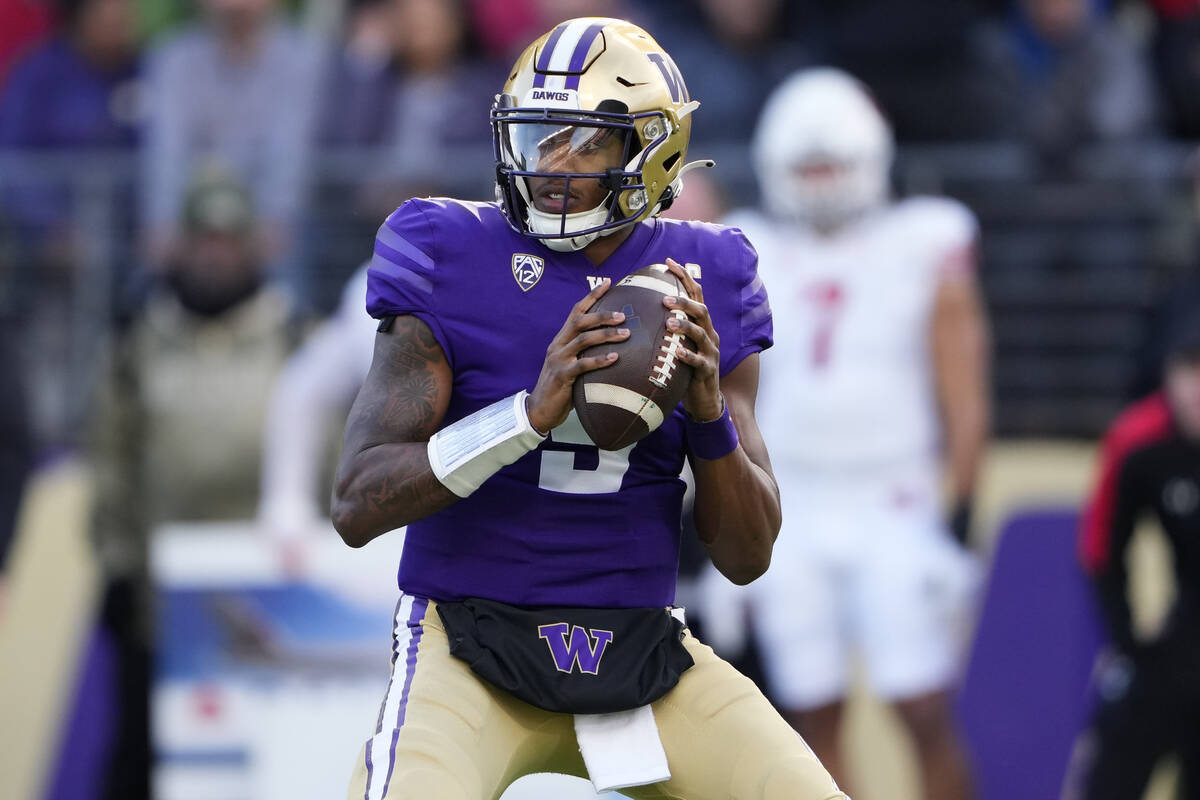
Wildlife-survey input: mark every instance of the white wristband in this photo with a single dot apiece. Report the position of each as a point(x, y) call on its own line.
point(470, 451)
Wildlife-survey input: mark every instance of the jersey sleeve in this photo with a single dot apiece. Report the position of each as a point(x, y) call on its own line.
point(401, 275)
point(948, 234)
point(753, 310)
point(1116, 502)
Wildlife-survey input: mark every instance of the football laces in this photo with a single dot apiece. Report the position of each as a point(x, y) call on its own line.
point(660, 373)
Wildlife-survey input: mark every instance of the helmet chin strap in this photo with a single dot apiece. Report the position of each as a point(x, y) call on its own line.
point(543, 223)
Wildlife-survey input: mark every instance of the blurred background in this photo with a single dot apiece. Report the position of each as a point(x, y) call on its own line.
point(188, 189)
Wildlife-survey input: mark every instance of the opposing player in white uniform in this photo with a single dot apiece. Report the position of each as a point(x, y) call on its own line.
point(875, 405)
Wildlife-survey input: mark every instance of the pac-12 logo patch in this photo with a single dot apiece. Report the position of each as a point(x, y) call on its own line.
point(527, 270)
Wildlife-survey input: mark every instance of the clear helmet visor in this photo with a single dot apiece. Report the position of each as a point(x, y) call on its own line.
point(551, 147)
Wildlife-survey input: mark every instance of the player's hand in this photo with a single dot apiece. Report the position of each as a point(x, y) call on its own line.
point(550, 402)
point(703, 401)
point(959, 521)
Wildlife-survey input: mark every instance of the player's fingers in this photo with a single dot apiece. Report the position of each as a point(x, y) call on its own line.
point(589, 299)
point(690, 284)
point(694, 309)
point(596, 319)
point(699, 336)
point(589, 363)
point(698, 359)
point(579, 320)
point(595, 336)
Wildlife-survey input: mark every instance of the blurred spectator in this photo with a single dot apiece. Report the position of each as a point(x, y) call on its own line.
point(178, 427)
point(1061, 73)
point(408, 81)
point(733, 53)
point(1178, 296)
point(505, 27)
point(407, 86)
point(74, 95)
point(874, 398)
point(1177, 63)
point(914, 54)
point(180, 423)
point(442, 93)
point(157, 17)
point(238, 90)
point(405, 71)
point(357, 102)
point(1149, 695)
point(75, 91)
point(22, 22)
point(311, 396)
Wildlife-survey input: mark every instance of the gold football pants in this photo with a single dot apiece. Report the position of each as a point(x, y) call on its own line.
point(445, 734)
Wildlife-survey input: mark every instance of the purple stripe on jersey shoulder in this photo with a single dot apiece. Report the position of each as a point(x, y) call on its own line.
point(580, 54)
point(401, 245)
point(385, 261)
point(420, 604)
point(754, 287)
point(543, 62)
point(756, 311)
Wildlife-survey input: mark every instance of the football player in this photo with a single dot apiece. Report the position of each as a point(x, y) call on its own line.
point(1149, 698)
point(534, 630)
point(876, 391)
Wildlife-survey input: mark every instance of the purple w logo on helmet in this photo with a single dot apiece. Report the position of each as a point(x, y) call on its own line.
point(671, 75)
point(571, 646)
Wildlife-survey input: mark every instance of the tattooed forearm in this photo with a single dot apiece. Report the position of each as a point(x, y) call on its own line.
point(384, 480)
point(385, 488)
point(407, 486)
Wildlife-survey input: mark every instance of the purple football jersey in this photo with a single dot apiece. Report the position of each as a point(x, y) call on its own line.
point(568, 523)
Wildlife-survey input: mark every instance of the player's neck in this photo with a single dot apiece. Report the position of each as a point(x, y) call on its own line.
point(604, 246)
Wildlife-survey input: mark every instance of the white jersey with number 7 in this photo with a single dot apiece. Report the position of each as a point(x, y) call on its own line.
point(849, 383)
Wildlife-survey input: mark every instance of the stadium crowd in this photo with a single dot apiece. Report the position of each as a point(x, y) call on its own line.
point(186, 188)
point(333, 115)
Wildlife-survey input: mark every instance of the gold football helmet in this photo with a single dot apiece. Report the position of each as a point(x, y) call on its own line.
point(594, 114)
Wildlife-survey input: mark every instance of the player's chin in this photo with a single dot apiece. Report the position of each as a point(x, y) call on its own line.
point(549, 206)
point(555, 205)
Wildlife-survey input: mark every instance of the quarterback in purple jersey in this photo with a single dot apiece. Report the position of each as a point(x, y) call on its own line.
point(538, 572)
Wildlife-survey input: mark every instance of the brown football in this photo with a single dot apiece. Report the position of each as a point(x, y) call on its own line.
point(619, 404)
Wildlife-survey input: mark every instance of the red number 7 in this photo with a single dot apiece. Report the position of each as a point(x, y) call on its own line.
point(829, 300)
